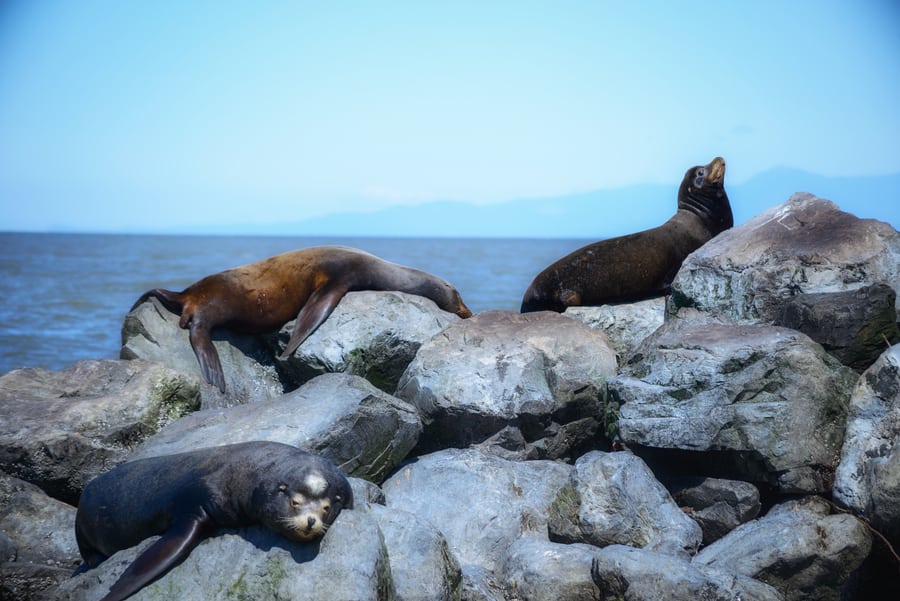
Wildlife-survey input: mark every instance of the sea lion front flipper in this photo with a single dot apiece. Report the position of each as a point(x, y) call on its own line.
point(316, 310)
point(159, 557)
point(207, 356)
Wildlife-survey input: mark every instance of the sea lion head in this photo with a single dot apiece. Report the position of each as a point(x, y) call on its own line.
point(702, 192)
point(302, 505)
point(444, 295)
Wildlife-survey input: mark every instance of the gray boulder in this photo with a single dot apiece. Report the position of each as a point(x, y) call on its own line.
point(717, 505)
point(422, 566)
point(151, 332)
point(59, 429)
point(364, 430)
point(624, 573)
point(527, 383)
point(868, 477)
point(613, 498)
point(370, 334)
point(798, 548)
point(626, 324)
point(480, 502)
point(766, 404)
point(37, 540)
point(855, 325)
point(536, 569)
point(804, 245)
point(350, 563)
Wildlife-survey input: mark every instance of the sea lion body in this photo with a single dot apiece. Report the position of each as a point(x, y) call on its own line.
point(640, 265)
point(188, 496)
point(305, 285)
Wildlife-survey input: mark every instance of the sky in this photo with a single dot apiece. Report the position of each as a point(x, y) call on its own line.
point(154, 116)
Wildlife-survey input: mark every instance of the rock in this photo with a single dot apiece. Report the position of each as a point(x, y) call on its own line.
point(804, 245)
point(528, 384)
point(350, 562)
point(868, 477)
point(718, 506)
point(626, 324)
point(151, 332)
point(60, 429)
point(613, 498)
point(629, 574)
point(364, 430)
point(539, 570)
point(761, 403)
point(37, 540)
point(481, 503)
point(26, 581)
point(855, 326)
point(41, 528)
point(422, 566)
point(370, 334)
point(797, 547)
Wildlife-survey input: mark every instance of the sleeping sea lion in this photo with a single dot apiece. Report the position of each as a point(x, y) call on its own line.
point(188, 496)
point(641, 265)
point(305, 284)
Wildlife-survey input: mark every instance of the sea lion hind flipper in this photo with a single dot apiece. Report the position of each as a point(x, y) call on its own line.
point(316, 310)
point(159, 557)
point(207, 356)
point(173, 301)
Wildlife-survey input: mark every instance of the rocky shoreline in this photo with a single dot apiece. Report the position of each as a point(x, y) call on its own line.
point(739, 439)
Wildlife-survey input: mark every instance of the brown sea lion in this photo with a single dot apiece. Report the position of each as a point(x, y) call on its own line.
point(641, 265)
point(305, 284)
point(188, 496)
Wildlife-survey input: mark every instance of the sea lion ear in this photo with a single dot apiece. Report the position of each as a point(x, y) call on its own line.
point(282, 487)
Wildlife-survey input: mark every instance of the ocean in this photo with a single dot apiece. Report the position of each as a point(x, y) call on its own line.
point(63, 297)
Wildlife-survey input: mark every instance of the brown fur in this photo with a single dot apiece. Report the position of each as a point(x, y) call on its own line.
point(305, 284)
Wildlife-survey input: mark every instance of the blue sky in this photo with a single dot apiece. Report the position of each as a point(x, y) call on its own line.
point(127, 115)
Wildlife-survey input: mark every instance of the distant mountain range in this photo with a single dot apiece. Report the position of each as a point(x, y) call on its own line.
point(598, 214)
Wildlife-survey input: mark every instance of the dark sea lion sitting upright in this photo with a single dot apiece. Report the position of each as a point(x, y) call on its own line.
point(641, 265)
point(305, 284)
point(188, 496)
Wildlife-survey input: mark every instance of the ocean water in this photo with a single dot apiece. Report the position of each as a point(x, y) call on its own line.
point(63, 297)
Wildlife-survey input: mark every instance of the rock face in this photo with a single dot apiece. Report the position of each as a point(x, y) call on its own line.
point(855, 326)
point(37, 541)
point(718, 506)
point(622, 572)
point(517, 460)
point(60, 429)
point(528, 384)
point(868, 477)
point(766, 400)
point(626, 324)
point(798, 548)
point(370, 334)
point(151, 332)
point(613, 498)
point(363, 430)
point(804, 245)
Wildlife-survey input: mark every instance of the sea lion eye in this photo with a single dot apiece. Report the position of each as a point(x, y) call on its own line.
point(701, 172)
point(282, 487)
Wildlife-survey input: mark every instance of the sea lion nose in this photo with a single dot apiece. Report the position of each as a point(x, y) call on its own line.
point(310, 522)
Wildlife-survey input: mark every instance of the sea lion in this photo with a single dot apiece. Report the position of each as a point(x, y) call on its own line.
point(305, 284)
point(640, 265)
point(188, 496)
